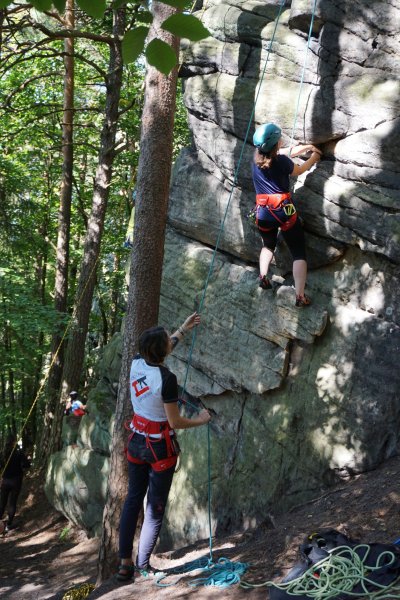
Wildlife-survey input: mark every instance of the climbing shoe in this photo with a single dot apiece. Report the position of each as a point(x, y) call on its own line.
point(303, 300)
point(264, 283)
point(125, 573)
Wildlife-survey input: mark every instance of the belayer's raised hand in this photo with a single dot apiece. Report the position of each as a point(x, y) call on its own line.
point(192, 321)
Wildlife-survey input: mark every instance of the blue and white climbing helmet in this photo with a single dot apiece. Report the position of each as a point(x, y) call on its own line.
point(266, 137)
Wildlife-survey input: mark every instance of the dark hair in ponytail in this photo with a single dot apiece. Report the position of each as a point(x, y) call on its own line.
point(154, 344)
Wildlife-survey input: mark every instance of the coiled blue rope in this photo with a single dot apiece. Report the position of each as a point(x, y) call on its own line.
point(221, 574)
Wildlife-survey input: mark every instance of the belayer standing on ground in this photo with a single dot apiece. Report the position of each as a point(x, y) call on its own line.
point(275, 209)
point(14, 462)
point(152, 448)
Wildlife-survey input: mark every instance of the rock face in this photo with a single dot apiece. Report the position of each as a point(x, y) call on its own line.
point(299, 397)
point(76, 480)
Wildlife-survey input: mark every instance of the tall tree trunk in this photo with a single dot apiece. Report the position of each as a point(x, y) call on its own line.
point(64, 222)
point(41, 278)
point(11, 395)
point(87, 277)
point(146, 266)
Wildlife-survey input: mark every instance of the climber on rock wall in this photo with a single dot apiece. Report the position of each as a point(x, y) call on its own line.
point(274, 209)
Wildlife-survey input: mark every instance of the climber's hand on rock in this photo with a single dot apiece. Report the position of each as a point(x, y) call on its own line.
point(204, 416)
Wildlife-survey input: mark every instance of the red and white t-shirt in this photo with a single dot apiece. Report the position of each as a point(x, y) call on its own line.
point(151, 387)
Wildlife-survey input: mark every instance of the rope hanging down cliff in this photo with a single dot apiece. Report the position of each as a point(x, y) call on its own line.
point(225, 572)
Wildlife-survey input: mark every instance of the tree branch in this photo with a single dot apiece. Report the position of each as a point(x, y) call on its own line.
point(130, 105)
point(23, 85)
point(71, 33)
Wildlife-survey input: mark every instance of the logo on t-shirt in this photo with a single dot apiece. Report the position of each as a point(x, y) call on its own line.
point(140, 386)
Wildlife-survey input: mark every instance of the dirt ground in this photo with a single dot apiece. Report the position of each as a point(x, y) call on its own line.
point(44, 556)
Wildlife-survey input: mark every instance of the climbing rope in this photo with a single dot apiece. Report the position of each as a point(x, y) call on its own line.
point(225, 572)
point(302, 75)
point(221, 574)
point(226, 567)
point(199, 564)
point(235, 178)
point(339, 573)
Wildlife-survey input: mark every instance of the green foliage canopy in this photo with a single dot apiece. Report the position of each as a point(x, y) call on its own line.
point(134, 42)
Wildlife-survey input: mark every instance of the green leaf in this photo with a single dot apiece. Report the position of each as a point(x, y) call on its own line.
point(94, 8)
point(60, 5)
point(161, 56)
point(133, 43)
point(145, 17)
point(42, 4)
point(186, 26)
point(176, 3)
point(4, 3)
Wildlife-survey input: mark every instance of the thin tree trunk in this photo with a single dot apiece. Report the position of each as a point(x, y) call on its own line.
point(11, 395)
point(114, 298)
point(3, 404)
point(104, 334)
point(146, 266)
point(87, 278)
point(64, 222)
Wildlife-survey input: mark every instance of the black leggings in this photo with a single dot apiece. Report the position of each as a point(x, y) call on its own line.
point(143, 479)
point(9, 491)
point(294, 237)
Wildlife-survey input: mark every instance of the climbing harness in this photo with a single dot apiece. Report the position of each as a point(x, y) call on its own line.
point(76, 409)
point(276, 204)
point(154, 431)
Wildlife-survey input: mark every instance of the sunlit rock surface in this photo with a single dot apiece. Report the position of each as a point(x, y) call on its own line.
point(299, 397)
point(287, 424)
point(76, 484)
point(76, 479)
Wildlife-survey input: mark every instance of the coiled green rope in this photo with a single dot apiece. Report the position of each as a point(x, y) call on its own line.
point(339, 573)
